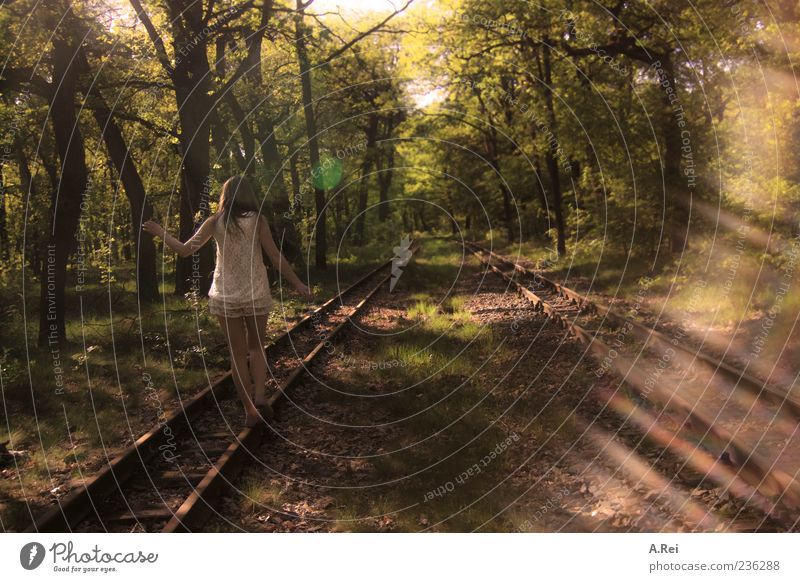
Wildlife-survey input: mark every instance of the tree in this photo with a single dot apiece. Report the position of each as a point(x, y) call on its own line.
point(193, 28)
point(72, 185)
point(305, 66)
point(320, 229)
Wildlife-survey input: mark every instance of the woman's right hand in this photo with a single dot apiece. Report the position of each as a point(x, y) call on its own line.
point(152, 227)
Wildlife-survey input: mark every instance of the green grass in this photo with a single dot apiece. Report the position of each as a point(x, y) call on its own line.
point(423, 310)
point(605, 267)
point(112, 344)
point(257, 495)
point(719, 283)
point(446, 419)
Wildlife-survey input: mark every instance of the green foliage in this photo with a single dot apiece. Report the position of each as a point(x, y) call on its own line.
point(450, 128)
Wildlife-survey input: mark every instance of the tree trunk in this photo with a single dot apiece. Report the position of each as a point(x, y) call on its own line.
point(363, 185)
point(491, 147)
point(120, 156)
point(191, 81)
point(551, 155)
point(284, 227)
point(191, 78)
point(408, 224)
point(66, 199)
point(193, 273)
point(220, 135)
point(421, 214)
point(339, 204)
point(226, 153)
point(676, 195)
point(385, 172)
point(541, 194)
point(492, 151)
point(321, 245)
point(297, 193)
point(247, 164)
point(37, 252)
point(3, 226)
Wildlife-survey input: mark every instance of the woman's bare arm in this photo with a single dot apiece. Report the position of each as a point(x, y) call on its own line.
point(278, 260)
point(192, 245)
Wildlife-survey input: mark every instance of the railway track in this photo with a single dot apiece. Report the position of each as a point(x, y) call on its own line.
point(725, 424)
point(172, 478)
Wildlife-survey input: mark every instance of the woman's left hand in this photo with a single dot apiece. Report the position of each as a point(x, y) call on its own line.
point(306, 292)
point(152, 227)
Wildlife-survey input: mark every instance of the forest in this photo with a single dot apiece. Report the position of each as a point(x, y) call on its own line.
point(577, 127)
point(644, 151)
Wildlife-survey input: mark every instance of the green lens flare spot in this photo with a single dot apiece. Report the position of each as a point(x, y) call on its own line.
point(327, 173)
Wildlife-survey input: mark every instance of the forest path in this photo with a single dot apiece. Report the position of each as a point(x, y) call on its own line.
point(459, 411)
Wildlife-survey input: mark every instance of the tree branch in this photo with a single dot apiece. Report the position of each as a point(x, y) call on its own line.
point(158, 42)
point(248, 62)
point(626, 46)
point(120, 114)
point(230, 14)
point(209, 11)
point(15, 79)
point(359, 37)
point(481, 130)
point(489, 49)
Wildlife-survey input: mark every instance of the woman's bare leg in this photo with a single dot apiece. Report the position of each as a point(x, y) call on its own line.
point(235, 332)
point(256, 328)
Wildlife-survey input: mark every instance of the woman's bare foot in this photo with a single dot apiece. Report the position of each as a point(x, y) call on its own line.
point(265, 409)
point(252, 417)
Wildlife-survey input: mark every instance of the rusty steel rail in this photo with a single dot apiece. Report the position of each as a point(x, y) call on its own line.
point(754, 479)
point(776, 395)
point(79, 503)
point(200, 505)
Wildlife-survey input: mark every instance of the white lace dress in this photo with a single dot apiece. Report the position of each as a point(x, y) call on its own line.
point(240, 286)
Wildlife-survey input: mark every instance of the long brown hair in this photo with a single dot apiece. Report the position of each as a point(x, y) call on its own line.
point(237, 199)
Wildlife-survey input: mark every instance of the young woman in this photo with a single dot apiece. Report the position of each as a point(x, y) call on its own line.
point(239, 294)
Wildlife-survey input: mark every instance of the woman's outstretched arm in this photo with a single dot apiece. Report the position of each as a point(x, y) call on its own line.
point(278, 260)
point(192, 245)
